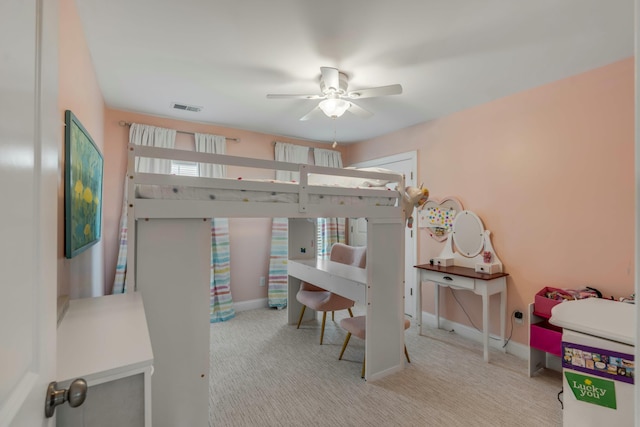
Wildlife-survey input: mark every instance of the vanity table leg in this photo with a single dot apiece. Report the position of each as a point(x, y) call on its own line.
point(419, 306)
point(503, 318)
point(485, 324)
point(437, 298)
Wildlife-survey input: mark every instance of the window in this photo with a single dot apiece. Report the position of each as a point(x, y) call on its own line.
point(320, 244)
point(179, 167)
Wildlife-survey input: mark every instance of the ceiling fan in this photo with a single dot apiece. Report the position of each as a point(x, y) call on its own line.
point(335, 97)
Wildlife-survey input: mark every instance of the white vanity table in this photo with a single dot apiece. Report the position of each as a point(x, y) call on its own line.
point(462, 265)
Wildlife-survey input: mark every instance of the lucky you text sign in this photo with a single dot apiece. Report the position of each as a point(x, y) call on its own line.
point(597, 391)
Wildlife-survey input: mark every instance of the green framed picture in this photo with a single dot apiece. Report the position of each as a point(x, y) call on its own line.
point(83, 188)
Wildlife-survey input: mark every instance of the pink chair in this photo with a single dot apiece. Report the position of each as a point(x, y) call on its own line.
point(356, 326)
point(350, 255)
point(322, 300)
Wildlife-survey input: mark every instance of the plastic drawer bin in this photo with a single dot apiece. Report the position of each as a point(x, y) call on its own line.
point(546, 337)
point(543, 305)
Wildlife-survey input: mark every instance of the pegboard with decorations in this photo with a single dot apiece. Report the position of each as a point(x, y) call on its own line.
point(437, 216)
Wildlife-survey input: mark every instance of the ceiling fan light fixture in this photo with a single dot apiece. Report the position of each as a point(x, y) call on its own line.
point(334, 107)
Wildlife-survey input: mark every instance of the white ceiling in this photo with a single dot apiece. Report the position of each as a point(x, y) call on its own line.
point(226, 55)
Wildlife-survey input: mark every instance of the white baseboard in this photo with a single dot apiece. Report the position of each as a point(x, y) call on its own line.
point(514, 348)
point(251, 304)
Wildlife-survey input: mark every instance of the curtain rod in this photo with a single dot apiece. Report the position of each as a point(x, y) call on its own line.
point(123, 123)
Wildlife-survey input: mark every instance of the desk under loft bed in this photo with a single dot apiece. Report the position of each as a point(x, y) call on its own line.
point(168, 260)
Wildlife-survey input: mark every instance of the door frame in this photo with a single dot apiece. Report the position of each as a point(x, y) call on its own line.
point(412, 157)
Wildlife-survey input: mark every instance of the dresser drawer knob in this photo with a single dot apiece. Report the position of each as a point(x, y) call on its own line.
point(447, 278)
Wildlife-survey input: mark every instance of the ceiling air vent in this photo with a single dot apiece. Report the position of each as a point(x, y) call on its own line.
point(185, 107)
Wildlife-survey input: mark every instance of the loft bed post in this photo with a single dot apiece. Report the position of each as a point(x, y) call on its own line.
point(130, 274)
point(303, 195)
point(173, 276)
point(385, 310)
point(301, 246)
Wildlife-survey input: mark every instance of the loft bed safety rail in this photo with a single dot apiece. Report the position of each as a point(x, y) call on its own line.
point(328, 200)
point(223, 159)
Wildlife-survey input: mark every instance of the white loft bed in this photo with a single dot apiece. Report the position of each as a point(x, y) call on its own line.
point(169, 261)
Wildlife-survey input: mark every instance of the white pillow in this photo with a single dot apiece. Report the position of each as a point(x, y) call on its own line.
point(351, 181)
point(370, 182)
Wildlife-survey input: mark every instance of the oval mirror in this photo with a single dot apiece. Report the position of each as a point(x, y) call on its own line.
point(468, 234)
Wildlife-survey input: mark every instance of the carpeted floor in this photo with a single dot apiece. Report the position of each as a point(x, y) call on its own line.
point(267, 373)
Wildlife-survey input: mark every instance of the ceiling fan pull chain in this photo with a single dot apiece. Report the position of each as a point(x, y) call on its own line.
point(335, 143)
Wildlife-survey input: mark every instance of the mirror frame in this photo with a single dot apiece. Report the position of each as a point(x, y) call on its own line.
point(462, 243)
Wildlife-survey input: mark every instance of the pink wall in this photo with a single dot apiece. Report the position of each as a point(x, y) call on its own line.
point(250, 241)
point(83, 275)
point(550, 171)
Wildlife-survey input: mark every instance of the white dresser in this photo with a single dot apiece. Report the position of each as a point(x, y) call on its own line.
point(105, 341)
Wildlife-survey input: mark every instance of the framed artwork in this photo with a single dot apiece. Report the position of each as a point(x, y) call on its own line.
point(83, 188)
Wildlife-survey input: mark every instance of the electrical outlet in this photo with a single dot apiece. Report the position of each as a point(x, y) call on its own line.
point(262, 281)
point(518, 316)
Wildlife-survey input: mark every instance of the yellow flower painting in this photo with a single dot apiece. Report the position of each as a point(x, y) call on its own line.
point(83, 188)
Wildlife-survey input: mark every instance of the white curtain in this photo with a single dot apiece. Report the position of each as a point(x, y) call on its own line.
point(121, 265)
point(277, 292)
point(330, 158)
point(331, 230)
point(154, 137)
point(220, 301)
point(292, 154)
point(214, 144)
point(149, 136)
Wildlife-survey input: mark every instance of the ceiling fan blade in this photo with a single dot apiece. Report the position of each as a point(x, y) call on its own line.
point(375, 91)
point(293, 96)
point(359, 111)
point(331, 78)
point(310, 114)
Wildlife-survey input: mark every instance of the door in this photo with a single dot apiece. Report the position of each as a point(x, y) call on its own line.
point(406, 164)
point(358, 231)
point(30, 135)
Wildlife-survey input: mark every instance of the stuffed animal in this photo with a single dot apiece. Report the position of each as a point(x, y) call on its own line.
point(413, 197)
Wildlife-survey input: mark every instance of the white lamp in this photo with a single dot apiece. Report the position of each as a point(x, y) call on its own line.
point(334, 107)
